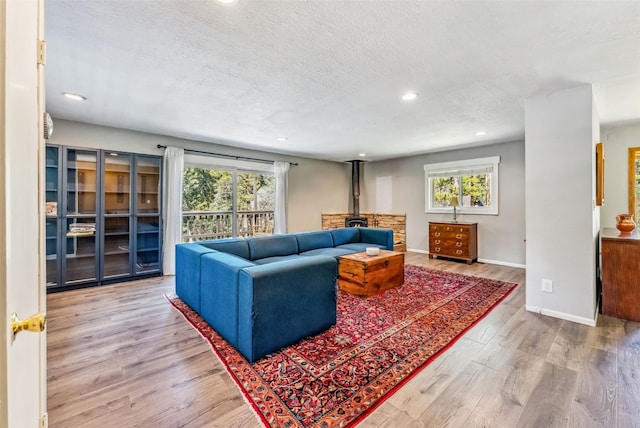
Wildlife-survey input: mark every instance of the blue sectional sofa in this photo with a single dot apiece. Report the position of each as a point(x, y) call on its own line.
point(264, 293)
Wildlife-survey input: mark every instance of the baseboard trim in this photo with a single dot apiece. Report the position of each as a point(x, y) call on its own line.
point(417, 251)
point(491, 262)
point(498, 262)
point(561, 315)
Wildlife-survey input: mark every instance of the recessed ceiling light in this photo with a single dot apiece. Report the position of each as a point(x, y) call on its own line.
point(74, 97)
point(282, 138)
point(409, 96)
point(227, 1)
point(362, 154)
point(481, 133)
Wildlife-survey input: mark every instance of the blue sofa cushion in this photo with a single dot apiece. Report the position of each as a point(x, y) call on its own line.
point(282, 303)
point(270, 246)
point(346, 235)
point(188, 273)
point(313, 240)
point(237, 246)
point(276, 259)
point(358, 247)
point(332, 252)
point(219, 292)
point(373, 236)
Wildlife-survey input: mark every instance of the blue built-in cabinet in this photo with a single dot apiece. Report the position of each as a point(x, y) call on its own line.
point(103, 216)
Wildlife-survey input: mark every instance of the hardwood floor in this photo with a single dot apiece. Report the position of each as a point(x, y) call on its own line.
point(121, 356)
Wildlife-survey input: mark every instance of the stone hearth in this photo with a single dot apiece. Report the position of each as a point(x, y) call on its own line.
point(396, 222)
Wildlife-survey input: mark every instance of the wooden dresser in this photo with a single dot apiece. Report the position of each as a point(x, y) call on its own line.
point(455, 240)
point(620, 274)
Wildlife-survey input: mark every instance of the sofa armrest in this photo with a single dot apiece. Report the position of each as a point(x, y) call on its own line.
point(280, 303)
point(219, 292)
point(188, 273)
point(372, 235)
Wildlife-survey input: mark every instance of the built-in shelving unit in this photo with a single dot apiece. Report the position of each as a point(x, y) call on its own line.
point(103, 216)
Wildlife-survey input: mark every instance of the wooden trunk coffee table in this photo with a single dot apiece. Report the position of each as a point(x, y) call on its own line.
point(368, 275)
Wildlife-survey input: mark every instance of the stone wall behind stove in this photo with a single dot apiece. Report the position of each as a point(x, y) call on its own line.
point(396, 222)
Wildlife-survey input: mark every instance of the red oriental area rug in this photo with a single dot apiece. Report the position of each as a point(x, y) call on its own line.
point(336, 378)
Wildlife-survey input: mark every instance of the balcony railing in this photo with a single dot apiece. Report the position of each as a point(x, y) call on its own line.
point(205, 225)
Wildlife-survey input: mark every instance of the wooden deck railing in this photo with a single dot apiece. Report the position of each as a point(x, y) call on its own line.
point(205, 225)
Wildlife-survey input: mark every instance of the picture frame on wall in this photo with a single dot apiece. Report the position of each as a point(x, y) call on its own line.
point(599, 174)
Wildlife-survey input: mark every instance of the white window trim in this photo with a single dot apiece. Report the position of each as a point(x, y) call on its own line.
point(492, 162)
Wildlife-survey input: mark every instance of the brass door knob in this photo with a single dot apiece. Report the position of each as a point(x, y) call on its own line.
point(35, 323)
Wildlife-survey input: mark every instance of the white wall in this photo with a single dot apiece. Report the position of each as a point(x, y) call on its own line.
point(315, 186)
point(500, 237)
point(561, 218)
point(616, 142)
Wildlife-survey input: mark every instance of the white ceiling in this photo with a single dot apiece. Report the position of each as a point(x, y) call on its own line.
point(328, 75)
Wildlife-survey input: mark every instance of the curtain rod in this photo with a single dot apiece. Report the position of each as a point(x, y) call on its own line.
point(221, 155)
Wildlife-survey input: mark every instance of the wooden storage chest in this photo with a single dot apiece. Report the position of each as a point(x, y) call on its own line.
point(368, 275)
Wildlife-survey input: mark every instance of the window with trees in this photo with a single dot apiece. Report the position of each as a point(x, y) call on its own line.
point(474, 182)
point(223, 202)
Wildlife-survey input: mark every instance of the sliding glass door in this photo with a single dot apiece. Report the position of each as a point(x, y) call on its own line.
point(224, 203)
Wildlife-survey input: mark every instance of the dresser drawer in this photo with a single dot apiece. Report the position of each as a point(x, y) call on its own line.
point(449, 228)
point(464, 236)
point(449, 242)
point(450, 251)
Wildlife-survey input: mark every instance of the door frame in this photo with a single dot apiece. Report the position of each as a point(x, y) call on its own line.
point(23, 361)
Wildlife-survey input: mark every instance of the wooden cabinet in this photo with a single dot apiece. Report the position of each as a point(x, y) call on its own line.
point(455, 240)
point(620, 279)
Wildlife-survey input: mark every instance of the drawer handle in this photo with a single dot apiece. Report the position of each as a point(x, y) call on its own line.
point(437, 241)
point(437, 234)
point(459, 236)
point(458, 252)
point(448, 228)
point(461, 229)
point(437, 249)
point(458, 244)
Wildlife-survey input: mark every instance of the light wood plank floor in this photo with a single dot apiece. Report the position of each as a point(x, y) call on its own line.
point(120, 356)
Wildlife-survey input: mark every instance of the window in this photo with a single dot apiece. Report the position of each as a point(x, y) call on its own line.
point(225, 201)
point(474, 182)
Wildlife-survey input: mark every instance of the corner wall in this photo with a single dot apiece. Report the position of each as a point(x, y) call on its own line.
point(500, 237)
point(562, 219)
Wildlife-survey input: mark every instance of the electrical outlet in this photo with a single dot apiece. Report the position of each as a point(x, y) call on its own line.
point(547, 285)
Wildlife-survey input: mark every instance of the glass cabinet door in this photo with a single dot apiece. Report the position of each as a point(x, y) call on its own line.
point(147, 244)
point(52, 219)
point(116, 252)
point(80, 254)
point(117, 183)
point(80, 226)
point(148, 185)
point(116, 259)
point(148, 238)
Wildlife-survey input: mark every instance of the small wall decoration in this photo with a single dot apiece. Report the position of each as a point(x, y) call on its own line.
point(599, 174)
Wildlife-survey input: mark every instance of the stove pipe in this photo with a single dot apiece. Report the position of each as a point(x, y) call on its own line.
point(355, 186)
point(356, 220)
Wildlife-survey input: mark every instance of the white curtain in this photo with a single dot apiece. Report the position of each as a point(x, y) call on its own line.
point(172, 206)
point(281, 172)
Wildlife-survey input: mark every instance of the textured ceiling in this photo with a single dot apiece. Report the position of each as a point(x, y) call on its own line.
point(328, 75)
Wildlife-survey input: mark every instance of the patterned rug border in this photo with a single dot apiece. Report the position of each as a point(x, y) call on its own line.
point(261, 417)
